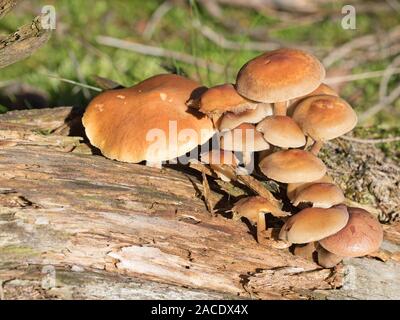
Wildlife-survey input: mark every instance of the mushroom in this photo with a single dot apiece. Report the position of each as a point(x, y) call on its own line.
point(322, 195)
point(292, 166)
point(223, 98)
point(306, 251)
point(293, 188)
point(137, 123)
point(216, 159)
point(282, 131)
point(254, 209)
point(279, 76)
point(324, 117)
point(362, 235)
point(327, 259)
point(231, 120)
point(244, 138)
point(314, 224)
point(322, 89)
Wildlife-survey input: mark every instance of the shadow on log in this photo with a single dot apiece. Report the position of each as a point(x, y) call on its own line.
point(77, 225)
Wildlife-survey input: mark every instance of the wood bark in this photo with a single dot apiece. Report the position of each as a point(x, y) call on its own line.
point(75, 225)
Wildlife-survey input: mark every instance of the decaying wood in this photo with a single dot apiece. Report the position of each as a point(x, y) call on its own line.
point(105, 229)
point(23, 43)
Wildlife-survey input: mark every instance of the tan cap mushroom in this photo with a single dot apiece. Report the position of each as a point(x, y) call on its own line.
point(322, 195)
point(130, 124)
point(322, 89)
point(231, 120)
point(224, 98)
point(324, 117)
point(254, 209)
point(327, 259)
point(282, 131)
point(293, 188)
point(216, 159)
point(313, 224)
point(292, 166)
point(362, 235)
point(279, 76)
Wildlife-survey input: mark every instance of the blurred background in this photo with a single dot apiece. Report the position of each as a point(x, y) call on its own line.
point(209, 40)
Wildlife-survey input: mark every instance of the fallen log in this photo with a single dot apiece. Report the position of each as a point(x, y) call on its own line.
point(74, 224)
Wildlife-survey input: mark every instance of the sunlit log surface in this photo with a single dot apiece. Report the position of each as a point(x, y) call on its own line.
point(104, 229)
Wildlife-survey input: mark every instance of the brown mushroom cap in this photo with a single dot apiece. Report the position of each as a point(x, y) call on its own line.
point(293, 188)
point(325, 117)
point(120, 122)
point(244, 138)
point(282, 131)
point(322, 195)
point(362, 235)
point(223, 98)
point(292, 166)
point(231, 120)
point(280, 75)
point(313, 224)
point(250, 207)
point(322, 89)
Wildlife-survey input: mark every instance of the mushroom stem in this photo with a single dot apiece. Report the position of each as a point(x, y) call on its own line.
point(316, 147)
point(247, 158)
point(280, 108)
point(327, 259)
point(305, 251)
point(261, 226)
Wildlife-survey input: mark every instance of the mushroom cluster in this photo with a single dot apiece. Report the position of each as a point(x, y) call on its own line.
point(280, 101)
point(279, 112)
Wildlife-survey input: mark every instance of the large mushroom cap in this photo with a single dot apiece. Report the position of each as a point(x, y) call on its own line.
point(282, 131)
point(325, 117)
point(362, 235)
point(313, 224)
point(292, 166)
point(134, 124)
point(322, 195)
point(280, 75)
point(244, 138)
point(223, 98)
point(231, 120)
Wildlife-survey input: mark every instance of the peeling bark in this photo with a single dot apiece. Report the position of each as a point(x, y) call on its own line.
point(105, 229)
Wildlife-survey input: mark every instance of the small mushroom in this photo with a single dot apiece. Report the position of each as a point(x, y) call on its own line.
point(294, 188)
point(279, 76)
point(324, 117)
point(216, 159)
point(231, 120)
point(322, 195)
point(121, 122)
point(282, 131)
point(244, 138)
point(314, 224)
point(223, 98)
point(327, 259)
point(292, 166)
point(322, 89)
point(254, 209)
point(362, 235)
